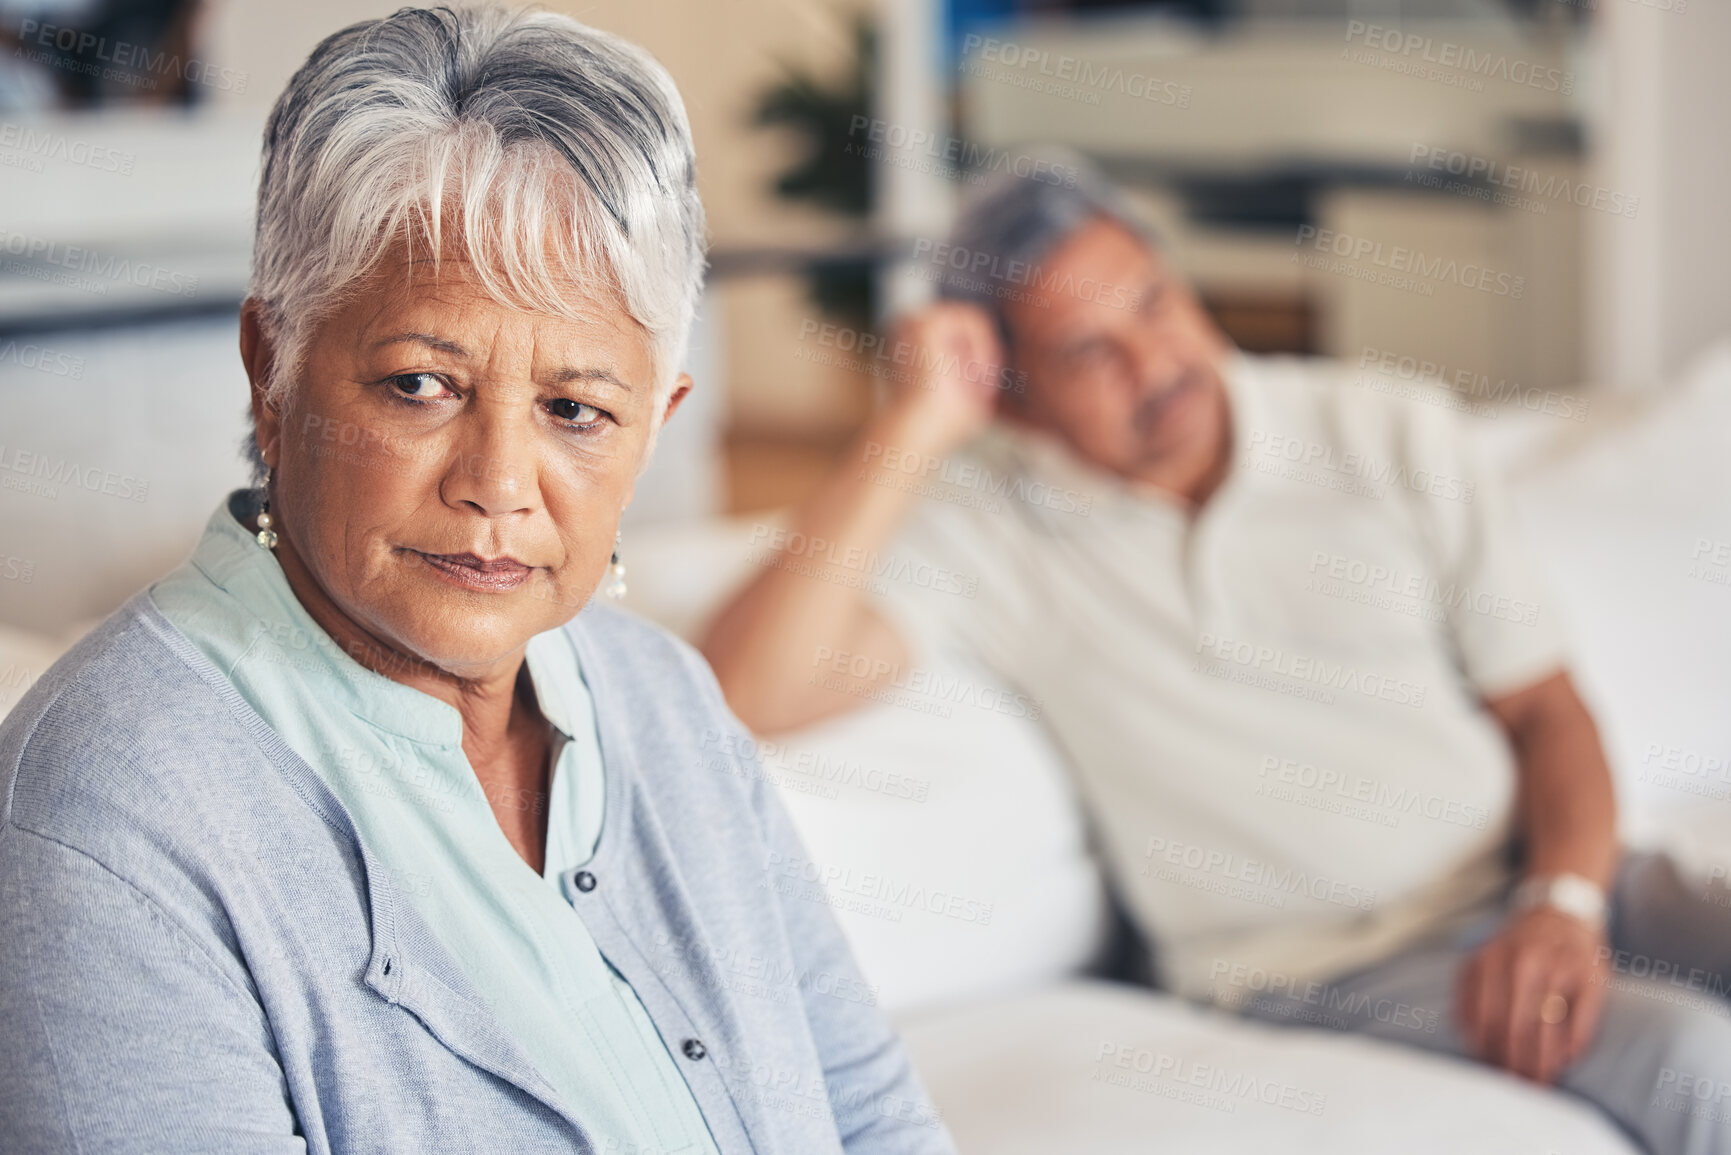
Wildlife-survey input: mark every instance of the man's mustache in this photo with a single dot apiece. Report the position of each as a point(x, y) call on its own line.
point(1151, 408)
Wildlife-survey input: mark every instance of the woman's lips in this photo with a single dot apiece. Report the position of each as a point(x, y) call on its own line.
point(465, 569)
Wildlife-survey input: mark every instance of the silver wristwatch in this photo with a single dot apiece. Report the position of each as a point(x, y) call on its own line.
point(1573, 894)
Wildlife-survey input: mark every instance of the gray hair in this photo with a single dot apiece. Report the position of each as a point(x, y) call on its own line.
point(1021, 219)
point(558, 154)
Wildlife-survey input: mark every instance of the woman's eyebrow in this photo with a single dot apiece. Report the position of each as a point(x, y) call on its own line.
point(559, 377)
point(445, 345)
point(442, 344)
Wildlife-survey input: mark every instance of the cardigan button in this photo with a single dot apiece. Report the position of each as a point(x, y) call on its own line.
point(694, 1049)
point(584, 881)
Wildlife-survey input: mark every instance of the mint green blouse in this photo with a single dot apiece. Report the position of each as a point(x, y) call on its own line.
point(394, 757)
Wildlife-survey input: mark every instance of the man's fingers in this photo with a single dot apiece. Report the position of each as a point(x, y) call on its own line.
point(1468, 991)
point(1529, 984)
point(980, 354)
point(1492, 1014)
point(959, 340)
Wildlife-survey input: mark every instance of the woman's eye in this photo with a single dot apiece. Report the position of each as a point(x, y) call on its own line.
point(420, 386)
point(575, 412)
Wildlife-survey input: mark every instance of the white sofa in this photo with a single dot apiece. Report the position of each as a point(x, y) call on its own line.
point(992, 990)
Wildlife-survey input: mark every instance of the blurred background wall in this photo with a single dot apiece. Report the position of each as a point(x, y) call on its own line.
point(1339, 177)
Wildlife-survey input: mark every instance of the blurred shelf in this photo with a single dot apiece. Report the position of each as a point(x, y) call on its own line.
point(113, 218)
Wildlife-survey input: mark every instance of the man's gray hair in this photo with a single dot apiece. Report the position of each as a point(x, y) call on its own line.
point(556, 155)
point(1018, 219)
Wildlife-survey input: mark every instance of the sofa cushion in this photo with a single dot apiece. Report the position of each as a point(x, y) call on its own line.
point(1112, 1070)
point(955, 855)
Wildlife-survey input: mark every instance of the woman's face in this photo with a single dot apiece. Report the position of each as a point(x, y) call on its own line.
point(450, 471)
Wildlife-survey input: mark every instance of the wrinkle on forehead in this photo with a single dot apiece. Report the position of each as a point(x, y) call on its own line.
point(399, 284)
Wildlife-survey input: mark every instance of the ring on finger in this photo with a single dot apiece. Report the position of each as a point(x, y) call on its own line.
point(1554, 1009)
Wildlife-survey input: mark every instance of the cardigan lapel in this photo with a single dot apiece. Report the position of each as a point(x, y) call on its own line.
point(409, 967)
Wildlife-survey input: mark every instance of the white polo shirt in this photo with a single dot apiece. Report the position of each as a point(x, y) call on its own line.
point(1274, 708)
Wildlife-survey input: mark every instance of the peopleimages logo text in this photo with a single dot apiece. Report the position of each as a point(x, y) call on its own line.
point(43, 474)
point(138, 59)
point(1482, 63)
point(1064, 69)
point(1307, 669)
point(42, 144)
point(1400, 259)
point(1544, 186)
point(986, 268)
point(103, 267)
point(1268, 448)
point(962, 154)
point(1258, 873)
point(1469, 384)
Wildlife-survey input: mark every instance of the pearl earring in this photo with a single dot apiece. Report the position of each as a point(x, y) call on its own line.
point(616, 571)
point(266, 535)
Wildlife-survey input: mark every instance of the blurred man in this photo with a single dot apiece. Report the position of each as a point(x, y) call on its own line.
point(1279, 623)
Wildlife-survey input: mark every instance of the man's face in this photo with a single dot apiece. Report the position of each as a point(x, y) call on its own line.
point(1121, 361)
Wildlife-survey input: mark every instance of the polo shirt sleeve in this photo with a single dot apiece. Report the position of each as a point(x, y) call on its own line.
point(1503, 618)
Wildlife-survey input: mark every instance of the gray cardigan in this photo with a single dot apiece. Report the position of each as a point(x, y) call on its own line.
point(197, 953)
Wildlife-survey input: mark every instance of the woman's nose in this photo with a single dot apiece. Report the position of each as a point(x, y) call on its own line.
point(492, 467)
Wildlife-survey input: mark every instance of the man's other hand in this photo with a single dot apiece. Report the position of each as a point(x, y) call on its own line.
point(1530, 999)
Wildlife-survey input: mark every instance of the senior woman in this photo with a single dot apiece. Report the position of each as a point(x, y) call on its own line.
point(353, 833)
